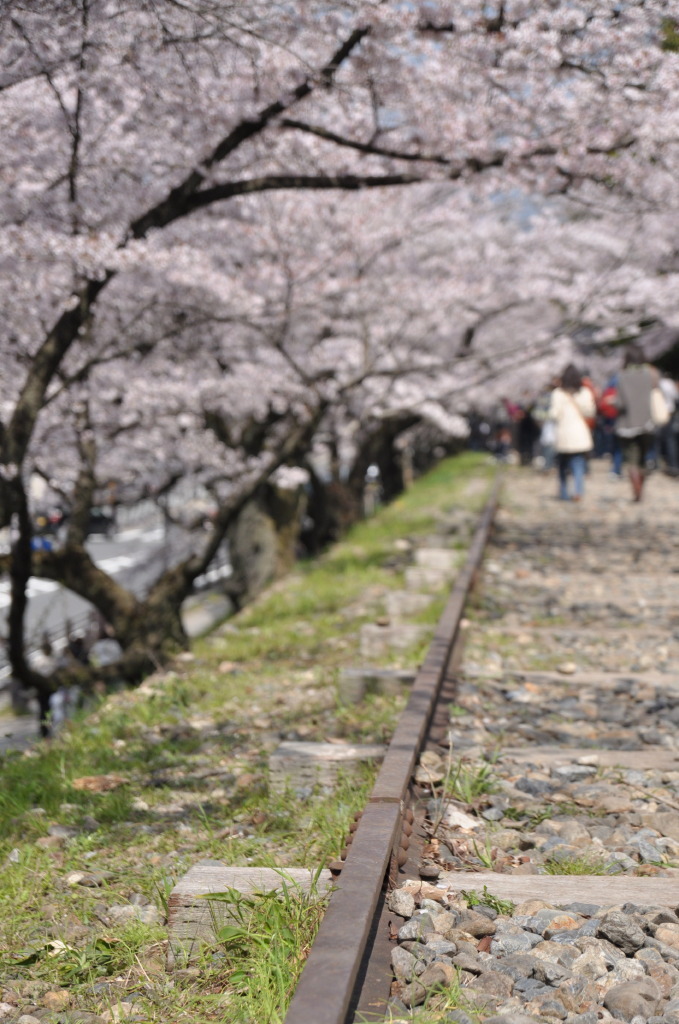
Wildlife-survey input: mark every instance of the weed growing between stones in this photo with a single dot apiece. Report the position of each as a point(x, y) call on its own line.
point(485, 898)
point(468, 781)
point(571, 864)
point(442, 1004)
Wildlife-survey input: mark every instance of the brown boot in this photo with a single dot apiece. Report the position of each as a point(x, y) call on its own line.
point(637, 480)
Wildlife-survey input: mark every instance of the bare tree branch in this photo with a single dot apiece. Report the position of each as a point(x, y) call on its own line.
point(164, 212)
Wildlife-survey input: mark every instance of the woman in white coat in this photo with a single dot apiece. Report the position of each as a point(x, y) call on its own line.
point(571, 406)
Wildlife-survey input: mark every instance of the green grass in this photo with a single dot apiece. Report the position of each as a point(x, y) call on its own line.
point(191, 747)
point(441, 1002)
point(265, 944)
point(466, 781)
point(485, 898)
point(584, 864)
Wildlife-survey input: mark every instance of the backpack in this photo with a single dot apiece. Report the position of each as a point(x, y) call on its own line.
point(606, 405)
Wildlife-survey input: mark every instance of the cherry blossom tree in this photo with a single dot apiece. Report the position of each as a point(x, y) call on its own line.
point(211, 257)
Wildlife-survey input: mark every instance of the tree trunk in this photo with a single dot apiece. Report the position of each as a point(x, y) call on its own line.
point(153, 635)
point(376, 447)
point(264, 541)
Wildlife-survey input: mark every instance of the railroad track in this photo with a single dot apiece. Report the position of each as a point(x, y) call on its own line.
point(562, 731)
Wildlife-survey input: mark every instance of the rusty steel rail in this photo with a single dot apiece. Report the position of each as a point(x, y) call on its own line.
point(327, 986)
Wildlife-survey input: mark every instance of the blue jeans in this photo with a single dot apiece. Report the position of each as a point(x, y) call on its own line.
point(575, 464)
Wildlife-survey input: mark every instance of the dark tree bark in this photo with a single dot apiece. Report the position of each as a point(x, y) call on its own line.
point(376, 447)
point(264, 541)
point(335, 505)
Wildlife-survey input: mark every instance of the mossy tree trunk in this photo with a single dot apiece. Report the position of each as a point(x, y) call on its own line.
point(264, 540)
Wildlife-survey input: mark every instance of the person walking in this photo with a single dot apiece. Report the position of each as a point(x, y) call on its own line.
point(666, 435)
point(608, 412)
point(572, 406)
point(634, 426)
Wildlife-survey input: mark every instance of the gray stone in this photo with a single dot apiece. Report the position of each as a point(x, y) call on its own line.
point(413, 994)
point(63, 831)
point(548, 1007)
point(578, 994)
point(148, 914)
point(89, 879)
point(503, 965)
point(508, 943)
point(572, 772)
point(494, 983)
point(396, 1007)
point(633, 999)
point(416, 928)
point(443, 921)
point(122, 914)
point(622, 930)
point(441, 947)
point(534, 787)
point(648, 956)
point(476, 924)
point(424, 953)
point(668, 953)
point(458, 1017)
point(524, 964)
point(488, 912)
point(438, 974)
point(662, 916)
point(493, 814)
point(648, 853)
point(468, 962)
point(404, 964)
point(626, 970)
point(550, 919)
point(584, 909)
point(138, 899)
point(569, 938)
point(550, 973)
point(529, 987)
point(602, 947)
point(401, 902)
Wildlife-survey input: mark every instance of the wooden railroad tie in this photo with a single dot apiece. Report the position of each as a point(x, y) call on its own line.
point(193, 920)
point(303, 766)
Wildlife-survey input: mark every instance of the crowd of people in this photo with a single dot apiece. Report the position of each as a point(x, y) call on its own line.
point(632, 420)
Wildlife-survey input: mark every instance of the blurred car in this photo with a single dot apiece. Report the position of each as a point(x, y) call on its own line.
point(101, 521)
